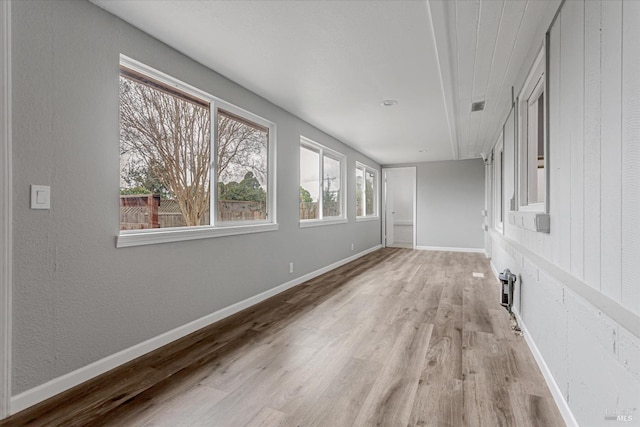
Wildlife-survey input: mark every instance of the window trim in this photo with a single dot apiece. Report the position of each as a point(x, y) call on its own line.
point(535, 85)
point(498, 187)
point(126, 238)
point(376, 200)
point(335, 155)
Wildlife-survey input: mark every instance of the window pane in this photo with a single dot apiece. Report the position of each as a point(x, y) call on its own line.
point(540, 174)
point(309, 183)
point(331, 198)
point(165, 154)
point(242, 169)
point(501, 185)
point(535, 151)
point(370, 192)
point(359, 192)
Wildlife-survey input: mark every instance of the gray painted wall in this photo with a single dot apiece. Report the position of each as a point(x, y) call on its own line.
point(76, 298)
point(449, 204)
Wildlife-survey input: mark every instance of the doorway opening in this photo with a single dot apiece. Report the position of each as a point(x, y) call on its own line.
point(399, 212)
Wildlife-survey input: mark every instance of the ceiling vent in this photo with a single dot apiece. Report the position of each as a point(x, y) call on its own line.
point(477, 106)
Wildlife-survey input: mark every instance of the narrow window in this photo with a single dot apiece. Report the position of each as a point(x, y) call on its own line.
point(360, 191)
point(533, 174)
point(366, 191)
point(309, 183)
point(321, 183)
point(331, 187)
point(501, 194)
point(242, 169)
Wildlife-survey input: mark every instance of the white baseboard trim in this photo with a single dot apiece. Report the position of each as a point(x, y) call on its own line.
point(558, 397)
point(65, 382)
point(448, 249)
point(495, 271)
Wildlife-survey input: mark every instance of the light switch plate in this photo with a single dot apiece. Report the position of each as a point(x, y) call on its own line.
point(40, 197)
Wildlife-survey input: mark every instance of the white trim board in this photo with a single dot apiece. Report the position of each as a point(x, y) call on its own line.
point(72, 379)
point(448, 249)
point(558, 397)
point(5, 210)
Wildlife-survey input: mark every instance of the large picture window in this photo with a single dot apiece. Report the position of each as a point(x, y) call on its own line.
point(366, 191)
point(171, 153)
point(321, 183)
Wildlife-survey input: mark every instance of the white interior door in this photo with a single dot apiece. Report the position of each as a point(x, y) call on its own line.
point(389, 210)
point(400, 207)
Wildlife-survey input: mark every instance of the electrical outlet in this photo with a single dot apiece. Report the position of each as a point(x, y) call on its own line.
point(353, 247)
point(290, 267)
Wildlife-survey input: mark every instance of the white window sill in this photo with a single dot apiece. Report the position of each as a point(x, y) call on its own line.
point(533, 207)
point(179, 234)
point(367, 218)
point(531, 220)
point(320, 222)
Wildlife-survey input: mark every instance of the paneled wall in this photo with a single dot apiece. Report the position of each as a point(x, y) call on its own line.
point(578, 291)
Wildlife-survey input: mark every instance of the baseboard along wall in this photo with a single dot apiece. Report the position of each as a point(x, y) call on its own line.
point(58, 385)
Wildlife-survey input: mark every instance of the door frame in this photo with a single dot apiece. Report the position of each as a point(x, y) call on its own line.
point(5, 210)
point(413, 169)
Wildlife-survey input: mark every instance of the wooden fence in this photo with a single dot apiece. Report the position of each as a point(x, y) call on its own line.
point(142, 211)
point(148, 211)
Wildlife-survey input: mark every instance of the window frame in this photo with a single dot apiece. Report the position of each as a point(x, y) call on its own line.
point(498, 187)
point(376, 193)
point(535, 86)
point(216, 228)
point(335, 155)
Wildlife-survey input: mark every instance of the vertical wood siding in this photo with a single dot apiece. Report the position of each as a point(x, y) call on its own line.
point(611, 149)
point(630, 292)
point(592, 114)
point(594, 154)
point(594, 134)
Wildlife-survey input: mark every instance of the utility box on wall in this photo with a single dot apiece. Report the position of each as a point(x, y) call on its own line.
point(507, 279)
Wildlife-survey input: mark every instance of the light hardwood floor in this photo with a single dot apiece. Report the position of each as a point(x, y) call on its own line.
point(396, 338)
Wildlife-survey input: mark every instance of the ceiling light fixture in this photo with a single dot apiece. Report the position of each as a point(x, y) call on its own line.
point(389, 103)
point(424, 150)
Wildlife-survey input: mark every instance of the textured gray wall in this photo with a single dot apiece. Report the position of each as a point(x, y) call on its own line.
point(450, 198)
point(76, 298)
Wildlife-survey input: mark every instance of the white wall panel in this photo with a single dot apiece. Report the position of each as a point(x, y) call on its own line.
point(588, 267)
point(572, 80)
point(611, 149)
point(560, 152)
point(592, 113)
point(466, 17)
point(508, 188)
point(630, 292)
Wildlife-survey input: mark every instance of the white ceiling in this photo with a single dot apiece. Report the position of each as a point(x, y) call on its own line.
point(331, 63)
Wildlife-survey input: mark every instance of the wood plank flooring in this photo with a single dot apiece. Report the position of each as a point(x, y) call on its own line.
point(396, 338)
